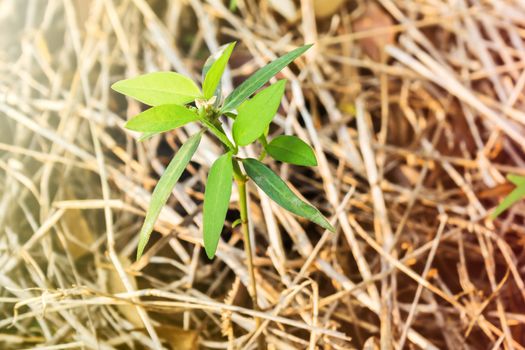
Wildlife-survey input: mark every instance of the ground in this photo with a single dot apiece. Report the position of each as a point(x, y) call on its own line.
point(414, 110)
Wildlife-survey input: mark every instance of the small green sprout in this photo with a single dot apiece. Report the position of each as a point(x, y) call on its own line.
point(176, 100)
point(517, 194)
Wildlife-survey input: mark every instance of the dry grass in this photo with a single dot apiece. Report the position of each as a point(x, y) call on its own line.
point(415, 110)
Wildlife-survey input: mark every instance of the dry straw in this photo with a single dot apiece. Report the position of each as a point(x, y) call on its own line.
point(414, 110)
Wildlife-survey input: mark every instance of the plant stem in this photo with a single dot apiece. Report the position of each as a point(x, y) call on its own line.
point(241, 180)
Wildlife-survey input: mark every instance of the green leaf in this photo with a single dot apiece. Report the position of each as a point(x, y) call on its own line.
point(162, 118)
point(214, 74)
point(513, 197)
point(256, 114)
point(159, 88)
point(164, 187)
point(516, 179)
point(259, 78)
point(291, 149)
point(280, 193)
point(216, 200)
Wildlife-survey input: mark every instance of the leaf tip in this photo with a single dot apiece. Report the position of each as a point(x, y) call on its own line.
point(324, 223)
point(116, 86)
point(133, 124)
point(209, 253)
point(497, 212)
point(494, 215)
point(127, 124)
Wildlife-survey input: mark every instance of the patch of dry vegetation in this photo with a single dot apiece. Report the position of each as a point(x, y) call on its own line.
point(415, 110)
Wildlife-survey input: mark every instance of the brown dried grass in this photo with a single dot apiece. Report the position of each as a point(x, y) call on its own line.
point(415, 110)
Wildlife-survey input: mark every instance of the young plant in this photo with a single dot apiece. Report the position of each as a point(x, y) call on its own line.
point(176, 100)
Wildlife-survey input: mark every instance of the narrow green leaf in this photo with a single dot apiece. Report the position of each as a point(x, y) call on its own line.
point(508, 201)
point(513, 197)
point(164, 187)
point(291, 149)
point(216, 200)
point(280, 193)
point(214, 74)
point(162, 118)
point(256, 114)
point(159, 88)
point(516, 179)
point(259, 78)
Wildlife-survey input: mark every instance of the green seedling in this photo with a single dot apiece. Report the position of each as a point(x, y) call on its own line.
point(517, 194)
point(176, 100)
